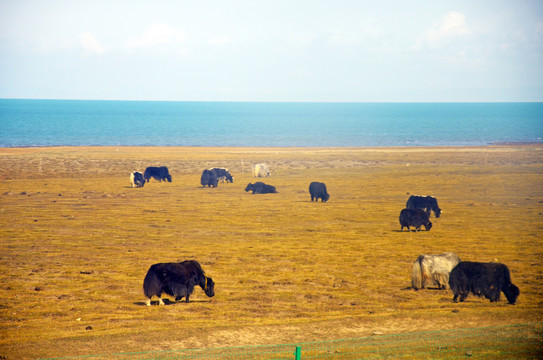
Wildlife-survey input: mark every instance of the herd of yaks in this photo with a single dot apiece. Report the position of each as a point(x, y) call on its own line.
point(210, 177)
point(443, 271)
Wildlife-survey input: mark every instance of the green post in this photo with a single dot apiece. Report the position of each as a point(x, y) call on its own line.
point(298, 353)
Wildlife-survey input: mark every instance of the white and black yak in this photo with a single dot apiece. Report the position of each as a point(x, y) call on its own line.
point(433, 270)
point(317, 190)
point(136, 179)
point(261, 170)
point(209, 178)
point(482, 279)
point(158, 173)
point(426, 203)
point(223, 175)
point(177, 280)
point(415, 218)
point(260, 188)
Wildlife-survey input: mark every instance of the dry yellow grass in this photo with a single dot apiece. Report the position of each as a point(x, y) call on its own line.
point(76, 242)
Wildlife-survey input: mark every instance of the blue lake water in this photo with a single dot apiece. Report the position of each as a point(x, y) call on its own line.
point(155, 123)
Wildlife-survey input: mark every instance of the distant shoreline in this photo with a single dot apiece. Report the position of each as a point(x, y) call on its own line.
point(517, 143)
point(498, 143)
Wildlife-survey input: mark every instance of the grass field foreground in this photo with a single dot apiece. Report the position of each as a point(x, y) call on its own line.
point(76, 241)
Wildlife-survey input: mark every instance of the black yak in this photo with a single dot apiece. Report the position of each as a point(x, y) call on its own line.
point(415, 218)
point(260, 188)
point(136, 179)
point(433, 270)
point(158, 173)
point(426, 203)
point(482, 279)
point(177, 280)
point(209, 178)
point(318, 190)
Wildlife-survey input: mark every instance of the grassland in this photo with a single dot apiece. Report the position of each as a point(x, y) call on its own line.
point(76, 242)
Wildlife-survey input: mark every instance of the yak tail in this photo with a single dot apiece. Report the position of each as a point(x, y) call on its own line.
point(151, 283)
point(416, 275)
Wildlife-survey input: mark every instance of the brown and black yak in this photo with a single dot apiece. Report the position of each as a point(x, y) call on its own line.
point(415, 218)
point(261, 188)
point(426, 203)
point(317, 190)
point(482, 279)
point(177, 280)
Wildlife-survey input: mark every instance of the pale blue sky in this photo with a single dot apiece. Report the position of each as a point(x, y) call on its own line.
point(272, 50)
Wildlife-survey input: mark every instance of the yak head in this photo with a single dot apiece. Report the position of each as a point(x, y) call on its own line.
point(428, 226)
point(511, 293)
point(169, 178)
point(209, 287)
point(249, 187)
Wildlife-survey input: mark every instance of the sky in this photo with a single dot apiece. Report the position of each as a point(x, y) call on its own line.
point(292, 50)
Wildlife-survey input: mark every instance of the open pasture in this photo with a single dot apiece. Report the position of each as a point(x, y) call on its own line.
point(76, 242)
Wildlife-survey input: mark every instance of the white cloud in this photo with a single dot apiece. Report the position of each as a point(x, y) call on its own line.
point(90, 43)
point(157, 34)
point(451, 25)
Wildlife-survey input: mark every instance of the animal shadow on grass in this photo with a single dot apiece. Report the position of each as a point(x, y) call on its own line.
point(428, 288)
point(170, 302)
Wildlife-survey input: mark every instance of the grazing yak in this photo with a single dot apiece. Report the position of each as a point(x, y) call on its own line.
point(136, 179)
point(433, 270)
point(223, 175)
point(158, 173)
point(426, 203)
point(318, 190)
point(482, 279)
point(416, 218)
point(177, 280)
point(209, 178)
point(261, 170)
point(260, 188)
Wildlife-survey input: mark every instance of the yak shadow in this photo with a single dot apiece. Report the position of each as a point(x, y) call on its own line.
point(428, 288)
point(170, 302)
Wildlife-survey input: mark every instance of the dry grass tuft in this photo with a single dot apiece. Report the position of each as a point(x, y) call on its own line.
point(76, 242)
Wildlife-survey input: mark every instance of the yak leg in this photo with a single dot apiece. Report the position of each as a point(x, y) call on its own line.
point(187, 299)
point(494, 294)
point(160, 302)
